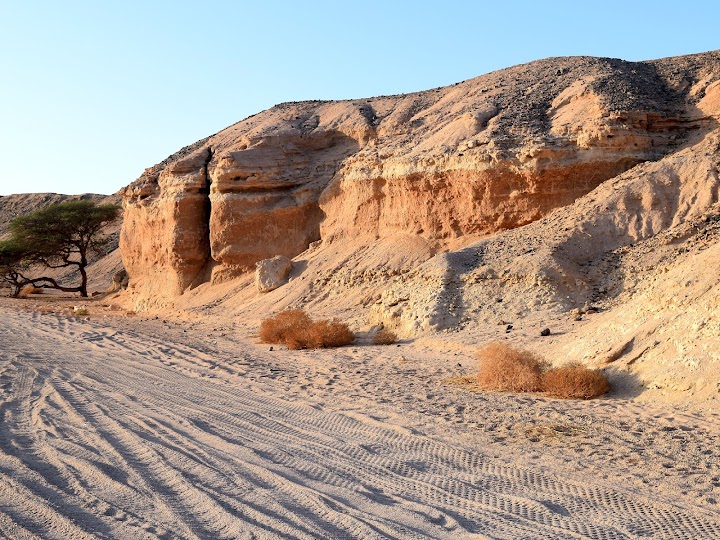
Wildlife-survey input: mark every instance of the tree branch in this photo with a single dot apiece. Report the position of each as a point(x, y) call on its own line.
point(53, 284)
point(67, 263)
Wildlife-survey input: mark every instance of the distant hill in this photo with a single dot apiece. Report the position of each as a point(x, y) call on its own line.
point(12, 206)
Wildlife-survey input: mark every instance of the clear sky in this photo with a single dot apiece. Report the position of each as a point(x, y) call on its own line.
point(92, 93)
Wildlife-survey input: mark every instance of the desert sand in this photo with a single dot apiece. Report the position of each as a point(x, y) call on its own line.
point(526, 195)
point(123, 426)
point(579, 195)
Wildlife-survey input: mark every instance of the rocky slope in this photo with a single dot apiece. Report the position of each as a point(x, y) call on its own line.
point(519, 195)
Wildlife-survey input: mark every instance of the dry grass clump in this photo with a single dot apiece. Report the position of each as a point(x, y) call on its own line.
point(384, 337)
point(283, 326)
point(297, 330)
point(575, 381)
point(30, 289)
point(506, 368)
point(328, 333)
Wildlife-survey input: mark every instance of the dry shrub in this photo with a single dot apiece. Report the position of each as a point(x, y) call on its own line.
point(295, 329)
point(575, 381)
point(503, 367)
point(294, 343)
point(30, 289)
point(506, 368)
point(328, 333)
point(283, 326)
point(384, 337)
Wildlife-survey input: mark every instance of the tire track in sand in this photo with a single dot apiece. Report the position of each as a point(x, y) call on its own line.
point(116, 435)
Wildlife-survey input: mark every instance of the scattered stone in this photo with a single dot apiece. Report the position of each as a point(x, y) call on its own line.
point(272, 273)
point(545, 332)
point(120, 280)
point(540, 267)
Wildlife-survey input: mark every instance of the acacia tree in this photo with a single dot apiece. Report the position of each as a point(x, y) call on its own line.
point(63, 235)
point(13, 265)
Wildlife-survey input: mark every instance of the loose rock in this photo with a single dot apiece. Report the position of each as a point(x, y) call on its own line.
point(272, 273)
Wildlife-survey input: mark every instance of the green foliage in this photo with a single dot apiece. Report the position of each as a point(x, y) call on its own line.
point(13, 262)
point(58, 232)
point(11, 252)
point(63, 235)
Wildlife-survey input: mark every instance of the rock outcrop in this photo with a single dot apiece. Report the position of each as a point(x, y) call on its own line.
point(523, 196)
point(446, 166)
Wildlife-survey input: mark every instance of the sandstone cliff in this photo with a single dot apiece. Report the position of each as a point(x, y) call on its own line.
point(491, 153)
point(520, 194)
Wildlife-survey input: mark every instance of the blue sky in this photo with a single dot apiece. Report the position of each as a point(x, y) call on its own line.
point(92, 93)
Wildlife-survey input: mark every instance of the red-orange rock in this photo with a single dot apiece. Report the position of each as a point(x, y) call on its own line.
point(491, 153)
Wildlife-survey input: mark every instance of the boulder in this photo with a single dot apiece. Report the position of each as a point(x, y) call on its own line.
point(120, 280)
point(272, 273)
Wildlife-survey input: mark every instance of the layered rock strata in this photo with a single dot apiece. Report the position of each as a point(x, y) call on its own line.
point(491, 153)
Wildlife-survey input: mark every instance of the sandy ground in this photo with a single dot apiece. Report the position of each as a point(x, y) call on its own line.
point(123, 427)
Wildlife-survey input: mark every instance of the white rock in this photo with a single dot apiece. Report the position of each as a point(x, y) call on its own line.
point(272, 273)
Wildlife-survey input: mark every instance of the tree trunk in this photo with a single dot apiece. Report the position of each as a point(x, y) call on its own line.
point(83, 284)
point(83, 274)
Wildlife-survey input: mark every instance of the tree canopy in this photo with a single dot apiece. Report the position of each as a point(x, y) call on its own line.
point(13, 264)
point(58, 236)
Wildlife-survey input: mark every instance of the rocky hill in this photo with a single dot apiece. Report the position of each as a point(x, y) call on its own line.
point(521, 195)
point(12, 206)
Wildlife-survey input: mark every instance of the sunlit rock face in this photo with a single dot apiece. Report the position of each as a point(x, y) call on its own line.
point(264, 198)
point(164, 238)
point(491, 153)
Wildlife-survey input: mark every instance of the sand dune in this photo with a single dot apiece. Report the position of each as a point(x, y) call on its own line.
point(111, 431)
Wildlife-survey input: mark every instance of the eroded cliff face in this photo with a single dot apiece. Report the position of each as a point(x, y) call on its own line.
point(165, 235)
point(264, 198)
point(445, 165)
